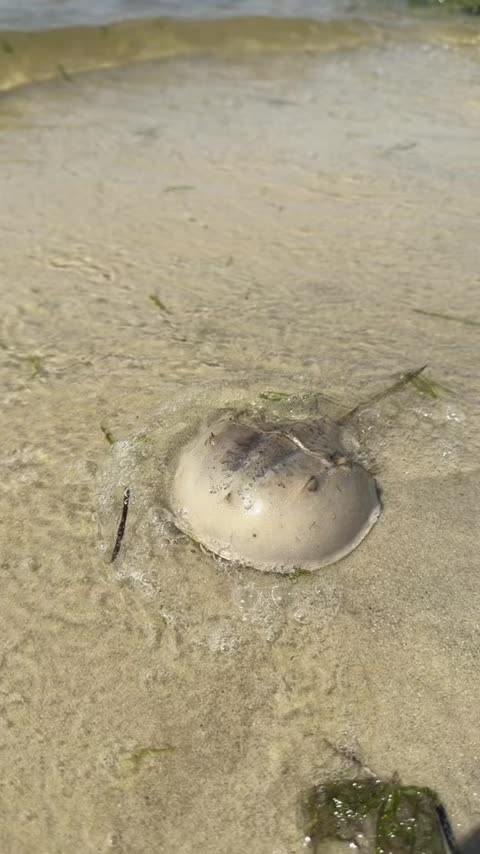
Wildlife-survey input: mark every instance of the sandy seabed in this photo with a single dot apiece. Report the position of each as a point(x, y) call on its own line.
point(171, 229)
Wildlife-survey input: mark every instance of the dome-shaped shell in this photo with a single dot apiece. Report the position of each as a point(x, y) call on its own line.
point(274, 496)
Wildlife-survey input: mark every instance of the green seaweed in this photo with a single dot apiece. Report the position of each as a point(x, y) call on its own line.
point(108, 435)
point(407, 821)
point(37, 364)
point(134, 761)
point(398, 385)
point(395, 819)
point(158, 302)
point(439, 315)
point(299, 573)
point(177, 188)
point(426, 386)
point(429, 388)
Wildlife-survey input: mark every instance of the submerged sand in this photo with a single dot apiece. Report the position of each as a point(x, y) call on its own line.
point(175, 228)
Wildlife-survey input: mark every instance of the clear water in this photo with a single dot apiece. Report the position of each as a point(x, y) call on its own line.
point(44, 14)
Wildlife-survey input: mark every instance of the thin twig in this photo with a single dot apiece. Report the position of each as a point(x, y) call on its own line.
point(121, 527)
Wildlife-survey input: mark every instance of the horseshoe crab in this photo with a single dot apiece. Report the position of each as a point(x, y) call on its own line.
point(275, 496)
point(268, 479)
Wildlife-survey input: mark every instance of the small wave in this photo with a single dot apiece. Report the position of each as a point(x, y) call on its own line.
point(27, 57)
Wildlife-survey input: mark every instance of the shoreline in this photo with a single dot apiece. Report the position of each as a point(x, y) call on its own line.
point(42, 55)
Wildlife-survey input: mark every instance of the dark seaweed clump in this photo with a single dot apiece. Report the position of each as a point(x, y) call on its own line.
point(392, 818)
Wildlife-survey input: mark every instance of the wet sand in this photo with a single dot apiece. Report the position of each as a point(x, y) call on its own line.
point(290, 216)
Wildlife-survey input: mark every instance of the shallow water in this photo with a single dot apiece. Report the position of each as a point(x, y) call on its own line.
point(170, 230)
point(47, 14)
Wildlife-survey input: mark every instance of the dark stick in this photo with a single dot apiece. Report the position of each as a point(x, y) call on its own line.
point(121, 527)
point(447, 829)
